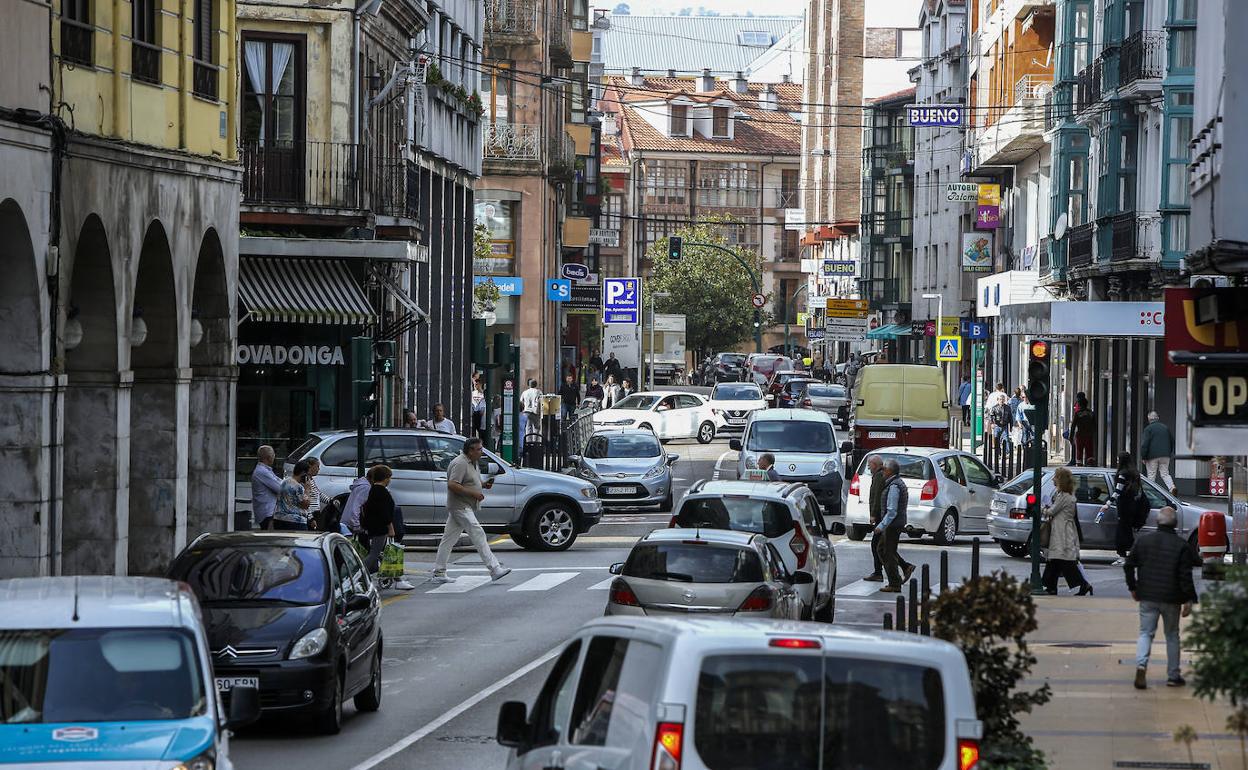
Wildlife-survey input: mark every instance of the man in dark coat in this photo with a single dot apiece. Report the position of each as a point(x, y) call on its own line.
point(1159, 575)
point(875, 505)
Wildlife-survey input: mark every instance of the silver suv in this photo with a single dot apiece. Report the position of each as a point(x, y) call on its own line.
point(540, 510)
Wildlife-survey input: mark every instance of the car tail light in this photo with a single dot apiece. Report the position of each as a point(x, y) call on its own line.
point(669, 739)
point(759, 600)
point(854, 488)
point(968, 754)
point(672, 524)
point(796, 644)
point(807, 402)
point(799, 545)
point(1018, 513)
point(929, 490)
point(622, 594)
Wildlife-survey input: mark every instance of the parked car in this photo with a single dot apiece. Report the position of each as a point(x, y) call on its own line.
point(760, 366)
point(899, 404)
point(732, 403)
point(788, 515)
point(950, 493)
point(832, 400)
point(803, 442)
point(1010, 524)
point(540, 510)
point(698, 693)
point(628, 466)
point(293, 614)
point(712, 571)
point(790, 393)
point(725, 367)
point(102, 671)
point(780, 378)
point(669, 415)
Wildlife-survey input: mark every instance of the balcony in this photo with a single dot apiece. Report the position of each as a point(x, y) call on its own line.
point(1135, 236)
point(204, 80)
point(1019, 131)
point(882, 292)
point(892, 225)
point(511, 21)
point(560, 155)
point(1142, 64)
point(559, 35)
point(289, 174)
point(514, 142)
point(395, 188)
point(889, 158)
point(1088, 86)
point(1079, 246)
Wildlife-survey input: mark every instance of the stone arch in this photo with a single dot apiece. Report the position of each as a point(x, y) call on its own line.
point(22, 313)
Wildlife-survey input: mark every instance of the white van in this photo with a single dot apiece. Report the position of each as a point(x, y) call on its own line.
point(108, 672)
point(632, 693)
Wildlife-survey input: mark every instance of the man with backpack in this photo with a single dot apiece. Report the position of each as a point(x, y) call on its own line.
point(999, 412)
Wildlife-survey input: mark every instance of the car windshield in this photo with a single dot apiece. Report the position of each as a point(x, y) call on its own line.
point(303, 449)
point(623, 446)
point(694, 563)
point(99, 675)
point(636, 402)
point(825, 391)
point(732, 359)
point(256, 573)
point(911, 467)
point(732, 391)
point(743, 514)
point(791, 436)
point(801, 711)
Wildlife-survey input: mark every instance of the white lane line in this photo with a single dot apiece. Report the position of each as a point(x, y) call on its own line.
point(529, 569)
point(461, 585)
point(859, 588)
point(471, 701)
point(544, 581)
point(604, 585)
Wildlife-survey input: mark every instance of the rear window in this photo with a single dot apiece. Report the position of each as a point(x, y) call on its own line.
point(732, 358)
point(283, 574)
point(303, 449)
point(736, 392)
point(742, 514)
point(765, 711)
point(691, 563)
point(1019, 484)
point(825, 391)
point(911, 467)
point(791, 436)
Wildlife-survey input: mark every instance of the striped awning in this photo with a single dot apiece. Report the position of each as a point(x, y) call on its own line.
point(889, 331)
point(313, 291)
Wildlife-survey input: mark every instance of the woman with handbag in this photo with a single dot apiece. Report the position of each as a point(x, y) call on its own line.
point(1059, 535)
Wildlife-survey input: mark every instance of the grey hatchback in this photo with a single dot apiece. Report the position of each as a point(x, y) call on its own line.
point(628, 467)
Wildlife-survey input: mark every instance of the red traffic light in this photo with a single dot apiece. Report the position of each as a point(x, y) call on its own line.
point(1031, 498)
point(1039, 349)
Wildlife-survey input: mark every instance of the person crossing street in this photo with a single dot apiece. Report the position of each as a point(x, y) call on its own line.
point(875, 505)
point(896, 496)
point(1156, 449)
point(464, 493)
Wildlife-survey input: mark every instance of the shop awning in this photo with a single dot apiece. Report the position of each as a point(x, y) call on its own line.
point(889, 331)
point(315, 291)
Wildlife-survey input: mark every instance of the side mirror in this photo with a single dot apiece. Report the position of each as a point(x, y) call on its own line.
point(734, 444)
point(358, 602)
point(244, 707)
point(617, 568)
point(847, 447)
point(837, 528)
point(802, 578)
point(998, 479)
point(671, 459)
point(574, 458)
point(513, 725)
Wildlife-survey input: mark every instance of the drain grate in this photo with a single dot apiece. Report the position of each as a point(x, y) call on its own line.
point(1079, 645)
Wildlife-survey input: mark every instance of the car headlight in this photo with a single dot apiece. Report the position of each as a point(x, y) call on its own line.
point(312, 643)
point(750, 462)
point(205, 761)
point(655, 472)
point(831, 466)
point(589, 493)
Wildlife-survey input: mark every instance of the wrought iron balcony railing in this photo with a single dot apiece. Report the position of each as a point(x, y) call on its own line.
point(511, 141)
point(1143, 57)
point(308, 174)
point(511, 18)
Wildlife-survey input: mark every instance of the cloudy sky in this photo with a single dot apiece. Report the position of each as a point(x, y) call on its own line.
point(774, 7)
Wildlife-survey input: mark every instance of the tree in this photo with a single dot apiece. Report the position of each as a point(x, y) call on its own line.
point(1237, 723)
point(1219, 628)
point(707, 286)
point(986, 617)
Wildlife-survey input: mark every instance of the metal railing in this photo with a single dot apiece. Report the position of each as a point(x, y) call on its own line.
point(1143, 56)
point(395, 188)
point(204, 79)
point(548, 445)
point(1008, 457)
point(511, 18)
point(1122, 232)
point(77, 41)
point(887, 225)
point(1032, 87)
point(511, 141)
point(560, 153)
point(788, 199)
point(316, 174)
point(1088, 84)
point(1079, 246)
point(145, 61)
point(559, 34)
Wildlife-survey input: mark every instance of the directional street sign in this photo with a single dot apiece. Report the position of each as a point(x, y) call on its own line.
point(948, 348)
point(837, 336)
point(846, 308)
point(846, 323)
point(758, 300)
point(558, 290)
point(621, 300)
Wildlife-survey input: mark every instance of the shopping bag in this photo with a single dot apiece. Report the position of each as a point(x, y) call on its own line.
point(392, 561)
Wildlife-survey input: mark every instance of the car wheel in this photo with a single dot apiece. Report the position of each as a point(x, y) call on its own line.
point(858, 532)
point(706, 432)
point(669, 503)
point(551, 527)
point(329, 721)
point(947, 531)
point(1015, 549)
point(827, 612)
point(369, 699)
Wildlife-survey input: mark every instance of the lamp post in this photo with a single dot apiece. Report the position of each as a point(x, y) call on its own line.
point(940, 327)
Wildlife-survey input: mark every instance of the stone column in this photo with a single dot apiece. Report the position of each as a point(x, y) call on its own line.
point(210, 450)
point(95, 515)
point(159, 423)
point(29, 460)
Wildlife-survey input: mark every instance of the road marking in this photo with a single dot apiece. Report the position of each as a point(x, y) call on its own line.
point(472, 700)
point(544, 581)
point(860, 588)
point(604, 585)
point(462, 584)
point(529, 569)
point(393, 599)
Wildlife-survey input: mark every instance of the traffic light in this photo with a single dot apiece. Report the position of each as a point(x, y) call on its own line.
point(674, 248)
point(369, 400)
point(1038, 381)
point(758, 319)
point(384, 357)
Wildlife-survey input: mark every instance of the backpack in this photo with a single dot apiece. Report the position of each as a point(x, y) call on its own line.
point(1001, 416)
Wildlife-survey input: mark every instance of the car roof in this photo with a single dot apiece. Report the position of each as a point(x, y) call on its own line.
point(662, 393)
point(716, 536)
point(96, 601)
point(610, 431)
point(339, 432)
point(774, 490)
point(783, 414)
point(917, 451)
point(277, 538)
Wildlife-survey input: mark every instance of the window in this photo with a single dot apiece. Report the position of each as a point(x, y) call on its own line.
point(740, 514)
point(795, 436)
point(499, 217)
point(612, 217)
point(812, 514)
point(1128, 147)
point(755, 38)
point(440, 451)
point(1077, 206)
point(719, 121)
point(687, 563)
point(578, 92)
point(951, 470)
point(1091, 488)
point(273, 88)
point(1182, 27)
point(729, 184)
point(77, 34)
point(144, 53)
point(977, 473)
point(1156, 500)
point(580, 15)
point(342, 453)
point(404, 452)
point(205, 70)
point(554, 703)
point(497, 91)
point(679, 120)
point(617, 682)
point(666, 182)
point(1178, 137)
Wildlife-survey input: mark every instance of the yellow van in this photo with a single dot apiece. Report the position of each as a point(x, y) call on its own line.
point(899, 405)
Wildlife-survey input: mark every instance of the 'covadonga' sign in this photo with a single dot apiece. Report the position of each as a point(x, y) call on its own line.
point(306, 355)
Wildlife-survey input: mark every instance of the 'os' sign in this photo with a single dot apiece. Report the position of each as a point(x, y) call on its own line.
point(934, 115)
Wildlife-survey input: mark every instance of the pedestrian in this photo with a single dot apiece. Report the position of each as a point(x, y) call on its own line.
point(612, 392)
point(265, 487)
point(595, 391)
point(1083, 431)
point(409, 419)
point(626, 389)
point(357, 494)
point(964, 399)
point(1062, 550)
point(569, 397)
point(1156, 449)
point(377, 515)
point(896, 496)
point(292, 501)
point(315, 501)
point(767, 464)
point(828, 367)
point(1159, 575)
point(1001, 414)
point(441, 423)
point(464, 493)
point(875, 506)
point(612, 367)
point(530, 410)
point(478, 404)
point(595, 365)
point(1022, 430)
point(1131, 503)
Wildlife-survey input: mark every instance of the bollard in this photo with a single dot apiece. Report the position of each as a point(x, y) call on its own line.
point(888, 621)
point(925, 586)
point(974, 558)
point(912, 620)
point(944, 571)
point(901, 613)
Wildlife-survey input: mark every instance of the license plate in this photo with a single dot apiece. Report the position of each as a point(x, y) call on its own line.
point(736, 420)
point(227, 683)
point(881, 434)
point(617, 490)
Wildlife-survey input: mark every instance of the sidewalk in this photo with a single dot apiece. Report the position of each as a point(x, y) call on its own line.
point(1096, 719)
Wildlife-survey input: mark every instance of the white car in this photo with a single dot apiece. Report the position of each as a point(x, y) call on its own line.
point(732, 403)
point(670, 415)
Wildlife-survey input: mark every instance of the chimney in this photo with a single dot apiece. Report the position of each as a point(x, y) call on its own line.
point(636, 78)
point(706, 83)
point(768, 99)
point(739, 84)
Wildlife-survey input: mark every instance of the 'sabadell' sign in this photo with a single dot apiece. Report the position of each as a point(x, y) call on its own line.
point(297, 355)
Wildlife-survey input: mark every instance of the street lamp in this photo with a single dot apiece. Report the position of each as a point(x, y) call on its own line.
point(940, 327)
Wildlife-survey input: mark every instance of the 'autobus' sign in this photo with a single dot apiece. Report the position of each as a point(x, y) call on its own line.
point(934, 115)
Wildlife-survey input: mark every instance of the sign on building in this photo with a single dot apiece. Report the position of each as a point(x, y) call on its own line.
point(962, 192)
point(621, 300)
point(795, 219)
point(585, 300)
point(934, 115)
point(833, 268)
point(601, 236)
point(977, 252)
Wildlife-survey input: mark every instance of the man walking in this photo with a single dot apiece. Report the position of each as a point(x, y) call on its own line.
point(569, 396)
point(767, 464)
point(1159, 576)
point(530, 410)
point(612, 367)
point(626, 389)
point(875, 505)
point(265, 487)
point(896, 496)
point(464, 493)
point(964, 399)
point(1156, 449)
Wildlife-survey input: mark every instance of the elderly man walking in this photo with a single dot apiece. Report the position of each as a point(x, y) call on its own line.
point(1156, 449)
point(464, 493)
point(875, 510)
point(896, 497)
point(1159, 574)
point(265, 487)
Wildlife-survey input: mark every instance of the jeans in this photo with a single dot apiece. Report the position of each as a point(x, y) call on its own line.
point(458, 522)
point(1159, 467)
point(1169, 615)
point(376, 546)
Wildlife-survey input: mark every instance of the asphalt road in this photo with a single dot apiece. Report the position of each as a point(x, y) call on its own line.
point(453, 653)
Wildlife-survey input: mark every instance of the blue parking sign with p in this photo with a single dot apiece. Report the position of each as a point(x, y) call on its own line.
point(558, 289)
point(621, 300)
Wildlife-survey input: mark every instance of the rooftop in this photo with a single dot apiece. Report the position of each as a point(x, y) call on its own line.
point(688, 44)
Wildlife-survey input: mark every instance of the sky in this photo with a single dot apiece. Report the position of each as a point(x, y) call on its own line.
point(774, 7)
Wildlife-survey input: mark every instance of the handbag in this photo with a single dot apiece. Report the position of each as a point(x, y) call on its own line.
point(1046, 532)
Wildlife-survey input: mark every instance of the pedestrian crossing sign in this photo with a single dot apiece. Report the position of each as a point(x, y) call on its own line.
point(949, 348)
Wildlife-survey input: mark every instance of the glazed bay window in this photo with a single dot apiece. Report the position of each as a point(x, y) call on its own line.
point(1181, 23)
point(666, 182)
point(1077, 176)
point(1128, 146)
point(728, 185)
point(679, 121)
point(499, 218)
point(1175, 194)
point(612, 217)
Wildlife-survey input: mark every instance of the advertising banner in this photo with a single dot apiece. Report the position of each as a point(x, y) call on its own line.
point(977, 252)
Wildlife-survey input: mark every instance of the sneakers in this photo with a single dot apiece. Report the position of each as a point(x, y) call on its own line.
point(1141, 678)
point(874, 577)
point(890, 590)
point(499, 572)
point(441, 577)
point(403, 585)
point(1177, 681)
point(1118, 562)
